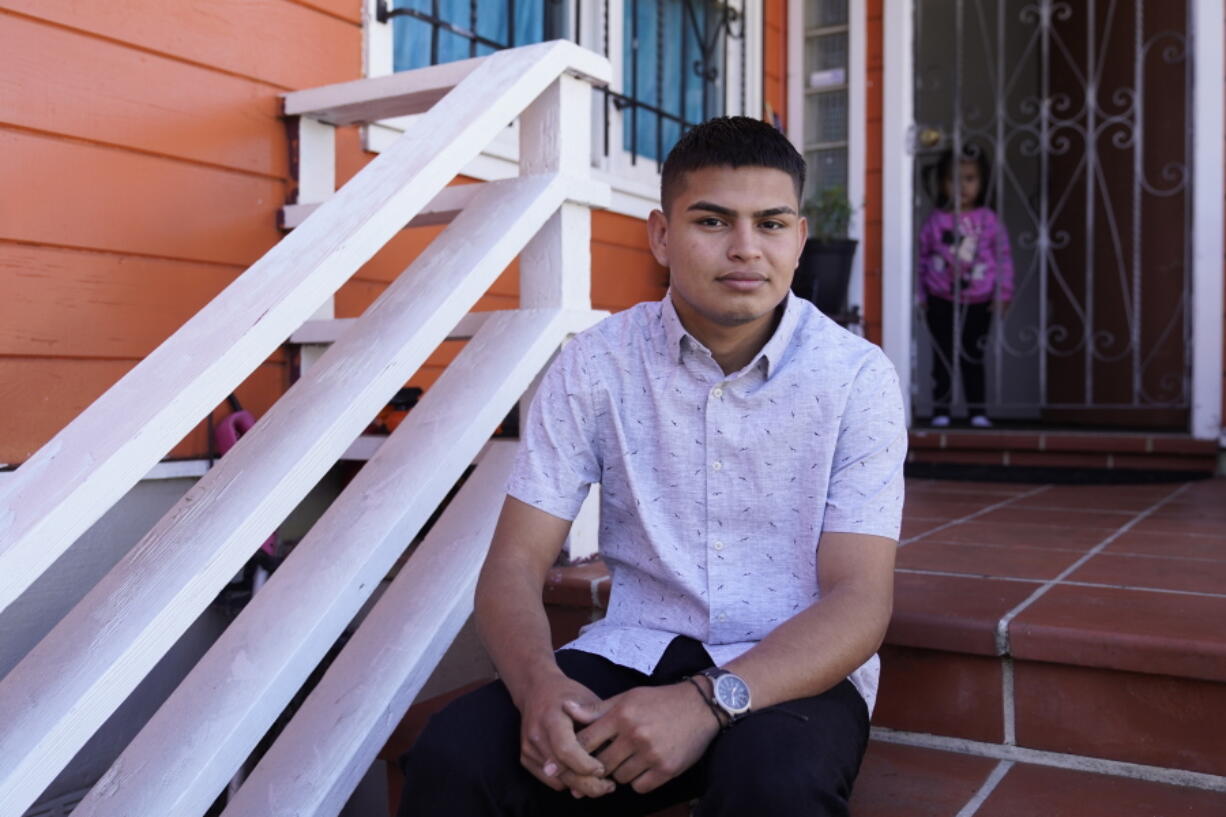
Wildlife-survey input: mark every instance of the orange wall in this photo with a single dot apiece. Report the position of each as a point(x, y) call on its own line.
point(872, 176)
point(144, 162)
point(775, 57)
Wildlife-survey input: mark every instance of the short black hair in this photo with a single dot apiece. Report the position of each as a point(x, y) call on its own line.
point(971, 152)
point(729, 141)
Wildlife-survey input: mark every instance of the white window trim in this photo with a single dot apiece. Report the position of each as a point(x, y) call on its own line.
point(857, 124)
point(1209, 133)
point(897, 166)
point(635, 185)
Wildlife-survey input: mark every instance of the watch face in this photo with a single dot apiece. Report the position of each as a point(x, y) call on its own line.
point(732, 693)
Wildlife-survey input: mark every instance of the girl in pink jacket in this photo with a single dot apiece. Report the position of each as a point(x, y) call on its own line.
point(965, 274)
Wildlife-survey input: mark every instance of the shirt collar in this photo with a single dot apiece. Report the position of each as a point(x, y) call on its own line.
point(770, 355)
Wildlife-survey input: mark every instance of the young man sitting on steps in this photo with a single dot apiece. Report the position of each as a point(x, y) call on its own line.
point(750, 456)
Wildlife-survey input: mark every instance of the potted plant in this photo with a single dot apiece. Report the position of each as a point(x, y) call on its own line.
point(824, 272)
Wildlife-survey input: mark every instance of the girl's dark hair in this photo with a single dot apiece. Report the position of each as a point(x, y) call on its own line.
point(944, 170)
point(729, 141)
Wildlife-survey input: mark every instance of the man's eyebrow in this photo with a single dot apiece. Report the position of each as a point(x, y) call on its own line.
point(727, 211)
point(714, 208)
point(775, 211)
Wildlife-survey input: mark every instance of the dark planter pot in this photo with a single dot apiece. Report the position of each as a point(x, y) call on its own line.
point(824, 274)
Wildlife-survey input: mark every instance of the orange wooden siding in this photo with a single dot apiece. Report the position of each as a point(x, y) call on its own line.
point(873, 235)
point(144, 163)
point(775, 57)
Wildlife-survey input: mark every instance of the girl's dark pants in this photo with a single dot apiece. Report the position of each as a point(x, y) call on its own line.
point(797, 758)
point(976, 320)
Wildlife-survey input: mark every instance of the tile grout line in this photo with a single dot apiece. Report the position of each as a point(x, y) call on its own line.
point(595, 590)
point(989, 785)
point(1058, 760)
point(1130, 555)
point(1009, 711)
point(1002, 626)
point(1140, 589)
point(1126, 554)
point(969, 517)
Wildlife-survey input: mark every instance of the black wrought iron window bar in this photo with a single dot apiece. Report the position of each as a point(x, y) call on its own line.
point(709, 30)
point(553, 23)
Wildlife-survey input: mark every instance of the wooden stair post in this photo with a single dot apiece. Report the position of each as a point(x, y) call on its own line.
point(555, 136)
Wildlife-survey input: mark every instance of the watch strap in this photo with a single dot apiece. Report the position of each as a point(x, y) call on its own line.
point(719, 713)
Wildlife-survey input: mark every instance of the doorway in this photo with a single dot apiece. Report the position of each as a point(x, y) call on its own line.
point(1078, 119)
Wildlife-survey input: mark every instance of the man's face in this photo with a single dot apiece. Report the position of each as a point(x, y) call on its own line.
point(731, 241)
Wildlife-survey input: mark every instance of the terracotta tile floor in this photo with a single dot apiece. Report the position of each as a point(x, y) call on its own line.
point(898, 780)
point(1129, 577)
point(1111, 602)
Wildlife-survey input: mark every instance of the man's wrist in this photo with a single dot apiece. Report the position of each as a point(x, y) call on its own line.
point(703, 687)
point(533, 676)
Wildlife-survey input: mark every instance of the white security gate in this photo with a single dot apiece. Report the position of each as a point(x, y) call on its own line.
point(1080, 116)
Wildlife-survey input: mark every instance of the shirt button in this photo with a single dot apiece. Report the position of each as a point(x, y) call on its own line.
point(719, 545)
point(717, 465)
point(718, 391)
point(723, 616)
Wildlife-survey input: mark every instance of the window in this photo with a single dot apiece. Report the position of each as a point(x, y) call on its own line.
point(429, 32)
point(675, 69)
point(826, 94)
point(676, 63)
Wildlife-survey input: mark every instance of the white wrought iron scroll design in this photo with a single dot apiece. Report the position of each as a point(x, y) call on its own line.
point(1051, 125)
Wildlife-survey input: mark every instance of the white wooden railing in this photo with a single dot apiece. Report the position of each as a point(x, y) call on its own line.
point(67, 686)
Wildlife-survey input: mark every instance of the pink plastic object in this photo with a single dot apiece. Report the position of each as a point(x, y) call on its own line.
point(226, 434)
point(233, 426)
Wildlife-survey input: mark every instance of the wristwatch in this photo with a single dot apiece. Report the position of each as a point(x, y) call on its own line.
point(729, 691)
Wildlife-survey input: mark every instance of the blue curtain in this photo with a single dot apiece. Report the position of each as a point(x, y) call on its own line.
point(661, 72)
point(411, 37)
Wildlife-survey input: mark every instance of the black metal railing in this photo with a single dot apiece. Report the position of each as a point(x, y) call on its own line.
point(698, 43)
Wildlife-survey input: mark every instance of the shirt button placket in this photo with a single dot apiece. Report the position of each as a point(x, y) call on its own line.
point(714, 420)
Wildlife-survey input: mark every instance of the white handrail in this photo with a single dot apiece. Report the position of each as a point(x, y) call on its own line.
point(73, 479)
point(337, 565)
point(96, 655)
point(66, 687)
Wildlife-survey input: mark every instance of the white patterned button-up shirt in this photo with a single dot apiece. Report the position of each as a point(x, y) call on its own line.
point(715, 488)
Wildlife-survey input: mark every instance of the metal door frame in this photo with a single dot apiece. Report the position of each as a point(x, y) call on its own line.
point(1208, 43)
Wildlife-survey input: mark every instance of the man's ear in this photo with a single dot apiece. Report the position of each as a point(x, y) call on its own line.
point(657, 236)
point(803, 226)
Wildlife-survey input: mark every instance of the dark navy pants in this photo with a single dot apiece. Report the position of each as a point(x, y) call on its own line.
point(976, 321)
point(796, 758)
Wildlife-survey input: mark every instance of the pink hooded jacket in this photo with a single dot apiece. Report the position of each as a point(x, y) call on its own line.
point(975, 252)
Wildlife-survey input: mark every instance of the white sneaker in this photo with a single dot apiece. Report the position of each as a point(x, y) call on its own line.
point(940, 421)
point(980, 421)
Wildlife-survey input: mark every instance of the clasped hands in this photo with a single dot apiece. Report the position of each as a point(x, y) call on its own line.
point(571, 739)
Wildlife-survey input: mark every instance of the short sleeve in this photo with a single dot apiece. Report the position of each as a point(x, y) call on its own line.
point(865, 493)
point(558, 457)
